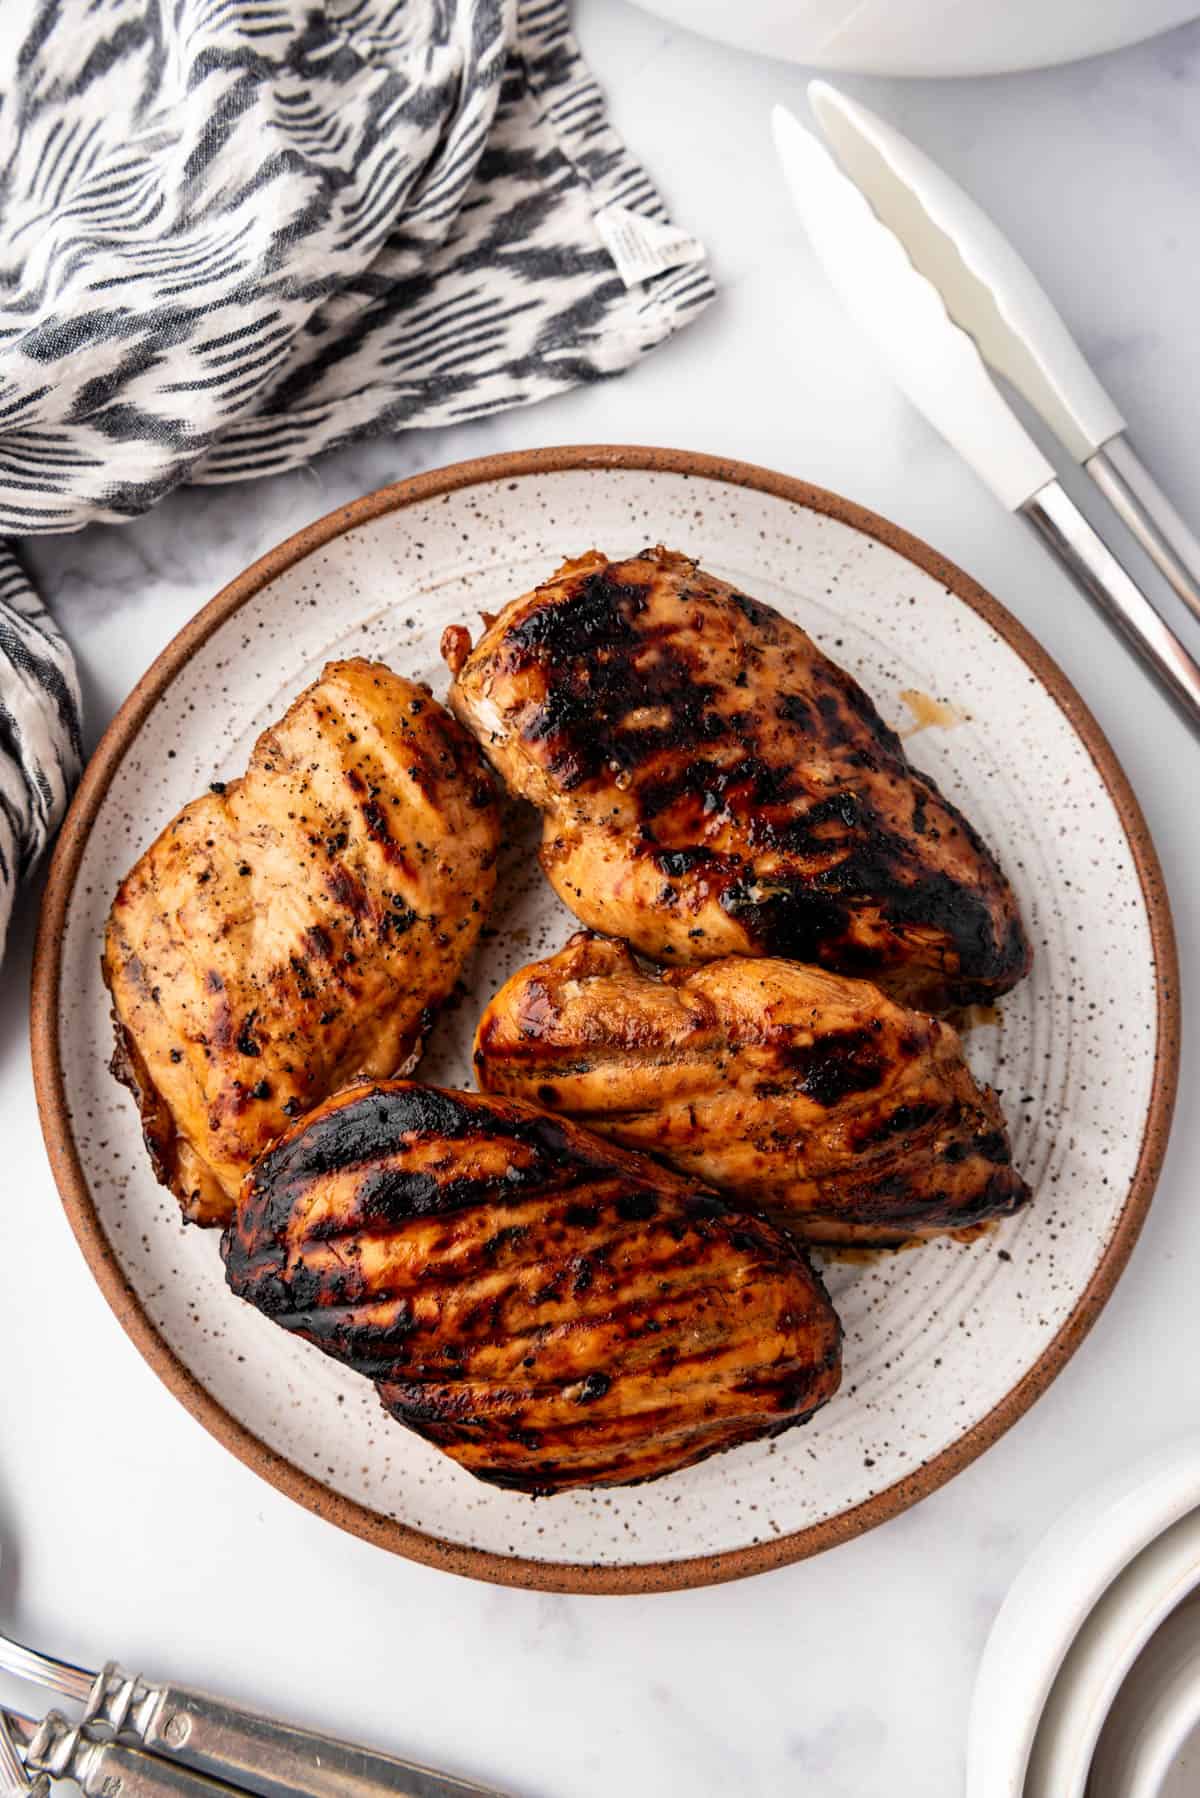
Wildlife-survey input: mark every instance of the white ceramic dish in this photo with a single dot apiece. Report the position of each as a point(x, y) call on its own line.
point(1183, 1779)
point(1140, 1599)
point(1070, 1592)
point(944, 1346)
point(1142, 1749)
point(927, 37)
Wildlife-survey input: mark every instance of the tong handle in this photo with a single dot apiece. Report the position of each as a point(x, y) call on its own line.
point(259, 1754)
point(1144, 509)
point(1114, 592)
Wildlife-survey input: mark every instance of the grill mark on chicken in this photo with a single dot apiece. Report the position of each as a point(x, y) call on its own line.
point(549, 1309)
point(843, 1115)
point(381, 1328)
point(623, 674)
point(667, 724)
point(347, 1136)
point(833, 1065)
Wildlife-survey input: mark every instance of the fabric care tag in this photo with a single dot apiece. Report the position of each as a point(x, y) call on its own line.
point(642, 247)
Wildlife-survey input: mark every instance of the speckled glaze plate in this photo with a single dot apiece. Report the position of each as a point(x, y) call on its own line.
point(945, 1345)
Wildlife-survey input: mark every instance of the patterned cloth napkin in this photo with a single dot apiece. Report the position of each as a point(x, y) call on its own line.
point(235, 233)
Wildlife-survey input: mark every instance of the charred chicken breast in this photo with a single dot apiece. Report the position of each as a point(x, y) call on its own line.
point(298, 926)
point(712, 784)
point(842, 1114)
point(549, 1309)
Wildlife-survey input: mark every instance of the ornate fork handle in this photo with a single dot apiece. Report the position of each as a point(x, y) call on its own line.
point(106, 1769)
point(257, 1753)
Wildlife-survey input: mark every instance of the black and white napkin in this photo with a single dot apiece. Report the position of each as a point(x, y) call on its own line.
point(236, 233)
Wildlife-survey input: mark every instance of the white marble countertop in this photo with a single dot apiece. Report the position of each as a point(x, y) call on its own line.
point(129, 1531)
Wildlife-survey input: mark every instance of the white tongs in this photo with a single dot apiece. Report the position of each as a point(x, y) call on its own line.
point(938, 287)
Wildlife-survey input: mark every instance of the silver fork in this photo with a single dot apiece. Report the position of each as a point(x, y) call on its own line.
point(14, 1781)
point(40, 1670)
point(256, 1753)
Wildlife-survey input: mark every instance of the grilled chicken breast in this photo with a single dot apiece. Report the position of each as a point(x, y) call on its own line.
point(843, 1115)
point(299, 926)
point(712, 784)
point(549, 1309)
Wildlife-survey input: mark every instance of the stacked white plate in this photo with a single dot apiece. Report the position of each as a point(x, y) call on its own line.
point(1090, 1681)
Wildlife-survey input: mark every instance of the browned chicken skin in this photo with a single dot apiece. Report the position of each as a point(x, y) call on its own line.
point(712, 784)
point(549, 1309)
point(298, 926)
point(843, 1115)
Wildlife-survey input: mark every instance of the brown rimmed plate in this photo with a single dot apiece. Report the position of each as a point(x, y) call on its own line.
point(945, 1346)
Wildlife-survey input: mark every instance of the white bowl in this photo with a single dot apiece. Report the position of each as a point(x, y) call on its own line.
point(1146, 1735)
point(1055, 1595)
point(1140, 1599)
point(927, 37)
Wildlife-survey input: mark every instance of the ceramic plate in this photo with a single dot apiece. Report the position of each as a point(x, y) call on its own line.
point(1067, 1620)
point(1112, 1637)
point(1151, 1735)
point(945, 1345)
